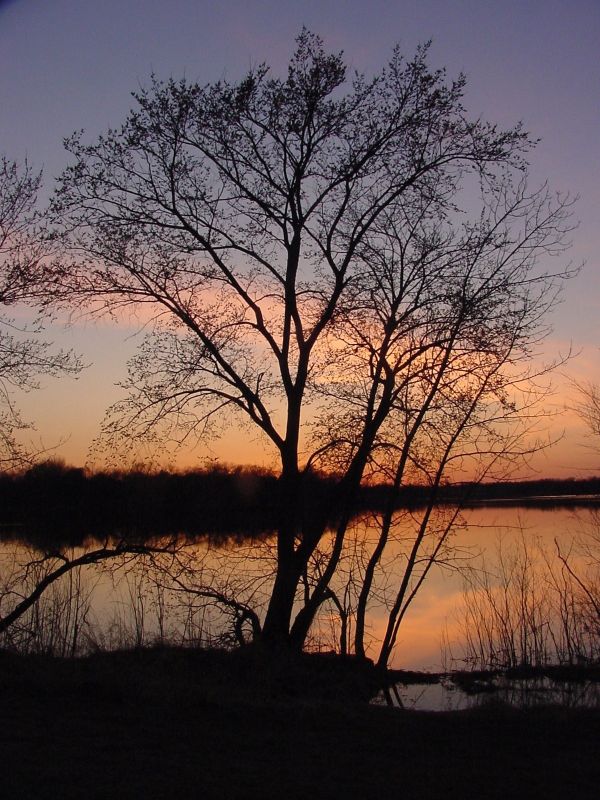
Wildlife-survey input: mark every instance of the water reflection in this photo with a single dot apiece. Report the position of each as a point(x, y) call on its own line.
point(206, 592)
point(514, 585)
point(448, 695)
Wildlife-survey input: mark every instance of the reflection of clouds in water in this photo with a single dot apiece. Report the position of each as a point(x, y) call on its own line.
point(420, 637)
point(424, 634)
point(436, 616)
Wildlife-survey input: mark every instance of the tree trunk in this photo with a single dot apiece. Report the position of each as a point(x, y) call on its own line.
point(277, 622)
point(276, 628)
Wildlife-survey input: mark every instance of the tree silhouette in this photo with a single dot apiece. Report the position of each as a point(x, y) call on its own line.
point(588, 406)
point(23, 355)
point(347, 265)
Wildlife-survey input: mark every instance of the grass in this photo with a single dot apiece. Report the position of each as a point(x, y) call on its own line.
point(167, 723)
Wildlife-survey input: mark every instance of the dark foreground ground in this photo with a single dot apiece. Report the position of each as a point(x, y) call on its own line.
point(176, 724)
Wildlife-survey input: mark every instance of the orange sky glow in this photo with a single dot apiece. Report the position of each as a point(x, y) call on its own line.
point(68, 412)
point(68, 66)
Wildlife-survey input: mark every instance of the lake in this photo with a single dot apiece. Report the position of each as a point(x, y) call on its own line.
point(511, 583)
point(493, 538)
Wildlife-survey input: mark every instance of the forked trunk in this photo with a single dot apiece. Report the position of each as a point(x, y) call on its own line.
point(276, 628)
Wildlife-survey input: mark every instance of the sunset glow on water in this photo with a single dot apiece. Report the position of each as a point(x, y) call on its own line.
point(127, 607)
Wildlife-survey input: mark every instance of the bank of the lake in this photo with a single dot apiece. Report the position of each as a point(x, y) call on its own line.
point(54, 505)
point(160, 724)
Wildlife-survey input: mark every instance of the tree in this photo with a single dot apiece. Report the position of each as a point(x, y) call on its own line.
point(588, 406)
point(304, 249)
point(23, 355)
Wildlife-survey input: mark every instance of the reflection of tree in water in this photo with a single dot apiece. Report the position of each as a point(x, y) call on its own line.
point(522, 606)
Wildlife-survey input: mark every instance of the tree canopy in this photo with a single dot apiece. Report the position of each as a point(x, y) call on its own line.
point(354, 267)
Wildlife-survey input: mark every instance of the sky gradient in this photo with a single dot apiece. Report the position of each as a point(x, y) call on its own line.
point(71, 64)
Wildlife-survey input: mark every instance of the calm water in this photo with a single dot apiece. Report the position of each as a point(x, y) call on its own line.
point(432, 633)
point(446, 696)
point(137, 604)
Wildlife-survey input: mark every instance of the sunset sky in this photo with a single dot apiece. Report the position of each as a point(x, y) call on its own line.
point(71, 64)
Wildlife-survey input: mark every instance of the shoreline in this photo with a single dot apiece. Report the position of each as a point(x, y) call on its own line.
point(147, 725)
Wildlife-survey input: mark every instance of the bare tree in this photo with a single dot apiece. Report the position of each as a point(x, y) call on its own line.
point(588, 406)
point(304, 249)
point(465, 393)
point(23, 355)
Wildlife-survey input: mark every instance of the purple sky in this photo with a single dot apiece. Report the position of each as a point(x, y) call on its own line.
point(71, 64)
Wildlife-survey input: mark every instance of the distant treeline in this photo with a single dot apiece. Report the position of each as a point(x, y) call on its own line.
point(542, 490)
point(56, 504)
point(60, 504)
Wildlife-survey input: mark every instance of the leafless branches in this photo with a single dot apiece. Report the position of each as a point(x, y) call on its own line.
point(308, 254)
point(23, 355)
